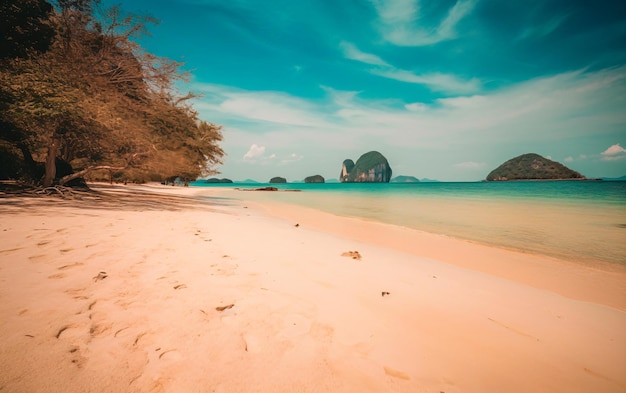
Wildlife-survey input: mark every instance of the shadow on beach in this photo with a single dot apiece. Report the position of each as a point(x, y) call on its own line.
point(104, 197)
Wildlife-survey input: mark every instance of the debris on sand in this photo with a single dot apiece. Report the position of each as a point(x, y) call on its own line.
point(351, 254)
point(222, 308)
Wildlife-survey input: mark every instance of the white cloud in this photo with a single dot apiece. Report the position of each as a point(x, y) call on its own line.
point(614, 152)
point(398, 22)
point(353, 53)
point(254, 152)
point(569, 159)
point(416, 107)
point(532, 113)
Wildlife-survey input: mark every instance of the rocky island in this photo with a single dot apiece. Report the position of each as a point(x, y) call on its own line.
point(216, 180)
point(532, 166)
point(371, 167)
point(314, 179)
point(277, 179)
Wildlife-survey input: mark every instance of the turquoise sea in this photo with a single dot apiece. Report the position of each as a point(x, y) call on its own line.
point(582, 221)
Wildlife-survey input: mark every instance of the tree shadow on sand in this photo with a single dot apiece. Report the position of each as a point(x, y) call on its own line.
point(21, 198)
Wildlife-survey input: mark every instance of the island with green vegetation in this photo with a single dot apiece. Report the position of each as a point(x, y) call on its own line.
point(371, 167)
point(80, 99)
point(314, 179)
point(216, 180)
point(278, 179)
point(532, 166)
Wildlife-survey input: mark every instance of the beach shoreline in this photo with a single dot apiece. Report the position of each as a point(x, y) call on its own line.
point(161, 288)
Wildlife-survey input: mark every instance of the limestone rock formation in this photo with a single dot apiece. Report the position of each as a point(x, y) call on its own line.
point(532, 166)
point(346, 167)
point(314, 179)
point(278, 179)
point(371, 167)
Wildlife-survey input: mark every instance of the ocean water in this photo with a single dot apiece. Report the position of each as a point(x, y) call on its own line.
point(582, 221)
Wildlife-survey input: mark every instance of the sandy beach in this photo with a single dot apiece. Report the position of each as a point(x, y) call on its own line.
point(170, 289)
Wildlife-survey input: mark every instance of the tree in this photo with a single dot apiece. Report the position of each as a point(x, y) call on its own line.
point(97, 101)
point(25, 28)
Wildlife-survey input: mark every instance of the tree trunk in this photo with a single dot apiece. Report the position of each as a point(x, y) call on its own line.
point(82, 173)
point(51, 167)
point(30, 163)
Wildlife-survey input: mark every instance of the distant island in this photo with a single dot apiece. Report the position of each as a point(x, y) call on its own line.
point(405, 179)
point(621, 178)
point(278, 179)
point(216, 180)
point(371, 167)
point(532, 166)
point(314, 179)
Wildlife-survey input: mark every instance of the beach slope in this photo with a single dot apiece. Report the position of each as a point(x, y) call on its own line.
point(163, 289)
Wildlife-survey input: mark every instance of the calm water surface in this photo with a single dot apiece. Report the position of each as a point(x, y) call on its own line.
point(577, 220)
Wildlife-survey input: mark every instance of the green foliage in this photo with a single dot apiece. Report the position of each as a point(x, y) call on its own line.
point(314, 179)
point(368, 161)
point(216, 180)
point(348, 164)
point(532, 166)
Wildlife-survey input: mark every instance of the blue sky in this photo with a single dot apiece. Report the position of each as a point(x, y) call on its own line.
point(444, 89)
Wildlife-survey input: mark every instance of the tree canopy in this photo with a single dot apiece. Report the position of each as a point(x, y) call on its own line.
point(76, 88)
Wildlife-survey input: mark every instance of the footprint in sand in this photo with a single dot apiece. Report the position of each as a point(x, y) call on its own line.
point(76, 356)
point(64, 267)
point(62, 330)
point(396, 374)
point(170, 354)
point(223, 308)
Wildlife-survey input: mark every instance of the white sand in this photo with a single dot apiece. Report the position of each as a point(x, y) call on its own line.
point(459, 317)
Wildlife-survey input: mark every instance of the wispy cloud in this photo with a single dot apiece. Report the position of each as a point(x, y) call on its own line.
point(259, 106)
point(544, 29)
point(446, 83)
point(401, 23)
point(470, 165)
point(531, 113)
point(353, 53)
point(438, 82)
point(293, 157)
